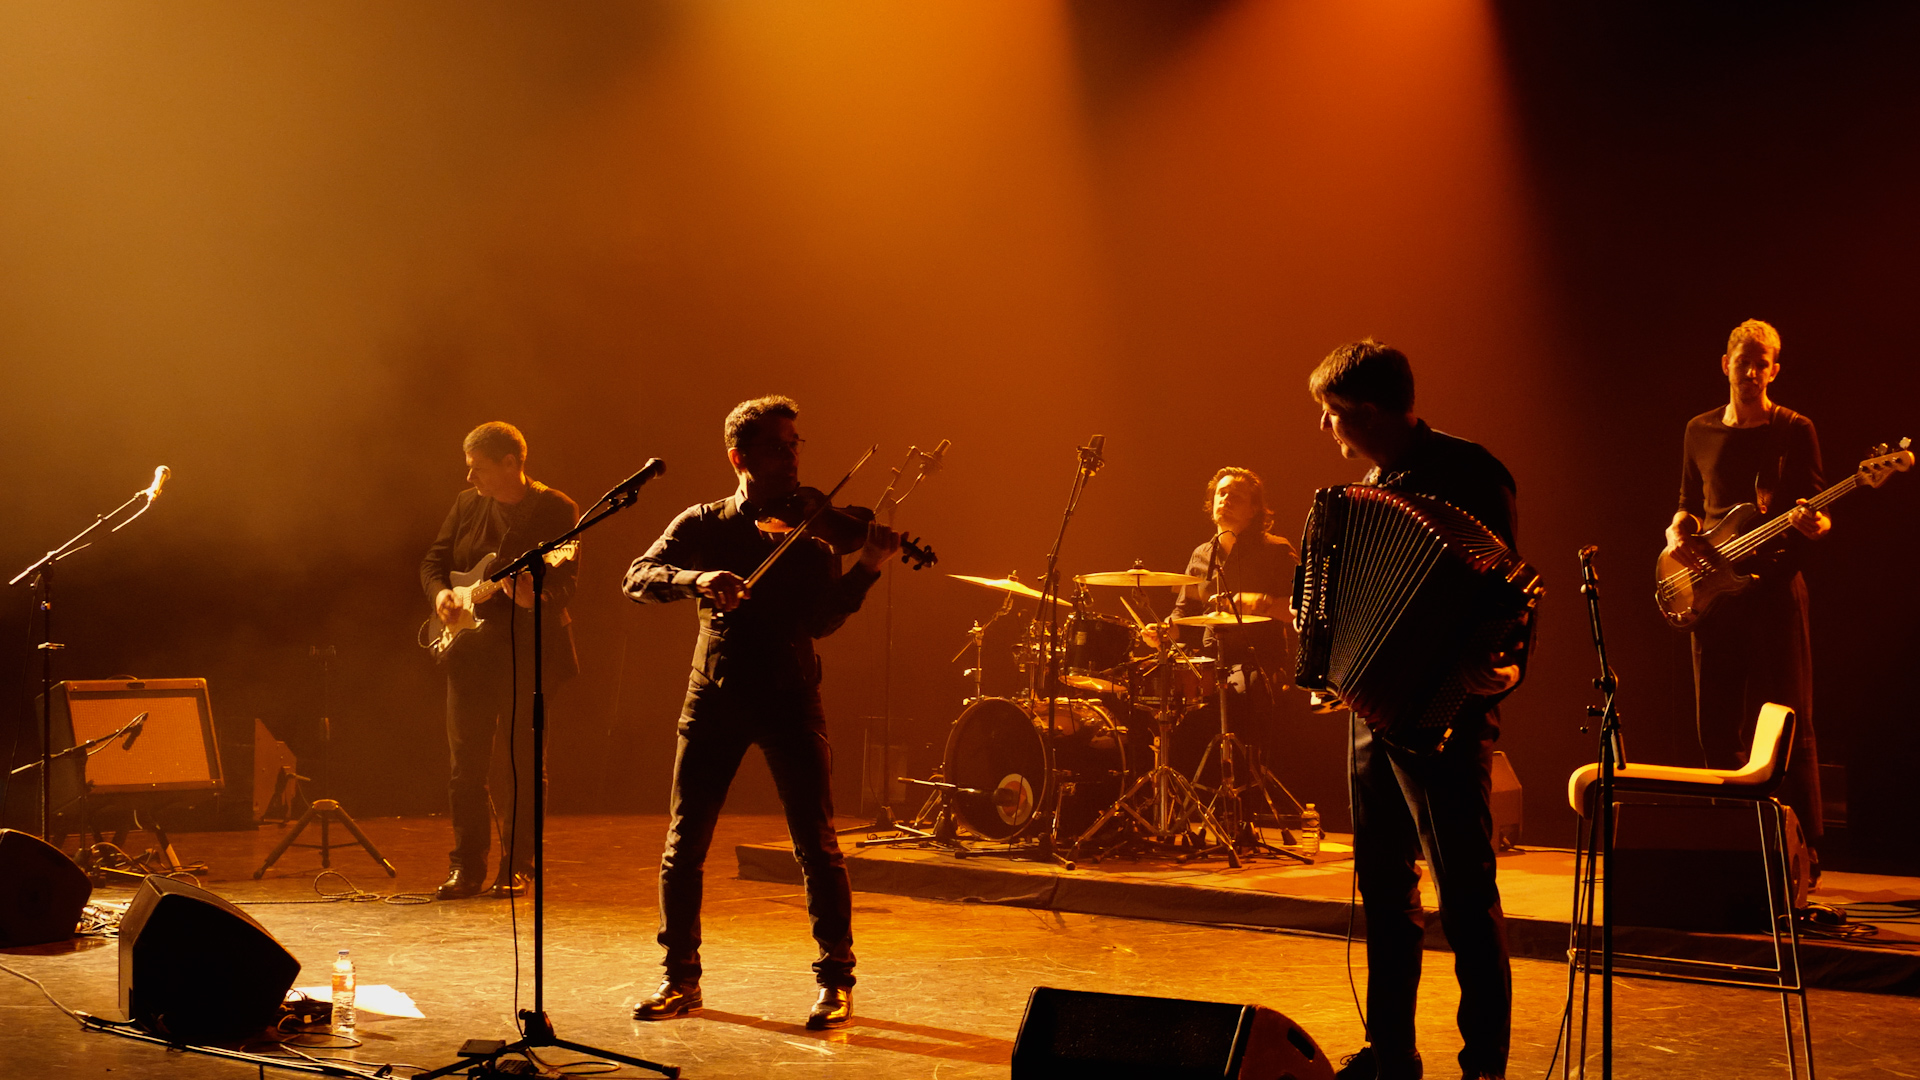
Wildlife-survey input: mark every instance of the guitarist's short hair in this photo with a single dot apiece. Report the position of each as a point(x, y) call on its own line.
point(496, 439)
point(1366, 372)
point(743, 423)
point(1754, 330)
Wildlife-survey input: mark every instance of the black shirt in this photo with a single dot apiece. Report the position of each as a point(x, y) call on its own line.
point(762, 649)
point(1771, 466)
point(479, 526)
point(1457, 472)
point(1260, 563)
point(1466, 476)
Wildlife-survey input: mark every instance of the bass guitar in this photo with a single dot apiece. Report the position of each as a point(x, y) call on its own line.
point(1685, 593)
point(472, 589)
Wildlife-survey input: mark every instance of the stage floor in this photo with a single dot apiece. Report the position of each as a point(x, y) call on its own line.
point(942, 983)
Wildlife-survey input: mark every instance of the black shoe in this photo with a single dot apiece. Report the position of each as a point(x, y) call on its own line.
point(671, 1000)
point(1366, 1066)
point(510, 885)
point(461, 883)
point(834, 1009)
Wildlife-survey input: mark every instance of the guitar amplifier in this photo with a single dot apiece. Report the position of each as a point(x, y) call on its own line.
point(174, 754)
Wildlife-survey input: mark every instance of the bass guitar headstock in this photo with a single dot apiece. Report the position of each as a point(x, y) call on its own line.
point(1885, 462)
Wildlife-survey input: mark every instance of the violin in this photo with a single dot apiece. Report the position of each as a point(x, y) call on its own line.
point(843, 528)
point(810, 512)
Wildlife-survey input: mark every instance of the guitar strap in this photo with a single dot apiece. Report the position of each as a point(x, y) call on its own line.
point(1774, 465)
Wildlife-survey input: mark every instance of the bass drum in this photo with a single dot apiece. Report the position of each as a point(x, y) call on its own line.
point(1000, 747)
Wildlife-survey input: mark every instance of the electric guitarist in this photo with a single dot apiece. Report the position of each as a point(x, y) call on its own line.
point(506, 513)
point(1753, 647)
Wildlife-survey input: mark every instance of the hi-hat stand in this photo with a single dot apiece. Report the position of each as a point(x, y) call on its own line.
point(536, 1030)
point(1176, 820)
point(328, 812)
point(1231, 749)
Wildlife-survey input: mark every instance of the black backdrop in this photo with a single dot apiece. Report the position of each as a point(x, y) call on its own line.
point(296, 255)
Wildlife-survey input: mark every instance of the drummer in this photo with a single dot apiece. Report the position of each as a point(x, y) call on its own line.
point(1245, 570)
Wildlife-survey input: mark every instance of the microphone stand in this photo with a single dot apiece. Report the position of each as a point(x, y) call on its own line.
point(42, 574)
point(1612, 755)
point(536, 1030)
point(1090, 463)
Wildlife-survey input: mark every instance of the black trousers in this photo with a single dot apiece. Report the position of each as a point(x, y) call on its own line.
point(711, 748)
point(1754, 649)
point(1406, 805)
point(480, 701)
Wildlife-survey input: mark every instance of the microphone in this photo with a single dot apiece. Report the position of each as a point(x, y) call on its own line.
point(139, 725)
point(1093, 455)
point(654, 467)
point(160, 475)
point(1589, 552)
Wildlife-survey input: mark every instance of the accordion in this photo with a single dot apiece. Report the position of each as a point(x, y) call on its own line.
point(1397, 597)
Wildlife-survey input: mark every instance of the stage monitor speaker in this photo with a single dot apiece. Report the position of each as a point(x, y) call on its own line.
point(196, 969)
point(1695, 866)
point(1506, 804)
point(1074, 1034)
point(42, 892)
point(174, 756)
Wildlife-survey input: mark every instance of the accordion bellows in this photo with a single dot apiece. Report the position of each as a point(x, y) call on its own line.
point(1398, 596)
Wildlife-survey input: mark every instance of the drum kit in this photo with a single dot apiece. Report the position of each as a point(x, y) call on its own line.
point(1118, 741)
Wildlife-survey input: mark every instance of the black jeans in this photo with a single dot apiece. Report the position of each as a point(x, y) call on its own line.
point(480, 700)
point(1752, 650)
point(711, 748)
point(1406, 804)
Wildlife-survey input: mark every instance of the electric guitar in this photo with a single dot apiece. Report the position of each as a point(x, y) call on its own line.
point(473, 589)
point(1686, 593)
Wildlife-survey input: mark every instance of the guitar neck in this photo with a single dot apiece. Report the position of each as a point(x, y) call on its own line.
point(1749, 542)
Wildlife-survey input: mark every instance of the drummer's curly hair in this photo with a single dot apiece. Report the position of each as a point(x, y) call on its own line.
point(743, 423)
point(1262, 516)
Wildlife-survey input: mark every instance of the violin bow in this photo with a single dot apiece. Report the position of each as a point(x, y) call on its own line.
point(800, 530)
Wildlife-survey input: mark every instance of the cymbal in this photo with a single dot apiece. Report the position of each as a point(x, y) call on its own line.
point(1138, 579)
point(1220, 618)
point(1008, 585)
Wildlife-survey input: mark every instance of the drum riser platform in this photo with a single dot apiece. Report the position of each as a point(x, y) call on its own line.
point(1306, 900)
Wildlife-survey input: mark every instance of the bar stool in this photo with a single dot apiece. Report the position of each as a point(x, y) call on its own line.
point(1755, 782)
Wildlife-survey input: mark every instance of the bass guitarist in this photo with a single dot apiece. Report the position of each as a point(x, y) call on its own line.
point(1752, 647)
point(503, 514)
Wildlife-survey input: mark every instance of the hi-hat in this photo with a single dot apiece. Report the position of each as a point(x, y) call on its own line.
point(1138, 579)
point(1007, 585)
point(1219, 618)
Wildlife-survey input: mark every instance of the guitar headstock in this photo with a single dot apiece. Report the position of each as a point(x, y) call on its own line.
point(1885, 462)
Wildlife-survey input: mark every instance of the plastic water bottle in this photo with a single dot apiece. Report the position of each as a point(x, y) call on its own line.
point(343, 992)
point(1310, 832)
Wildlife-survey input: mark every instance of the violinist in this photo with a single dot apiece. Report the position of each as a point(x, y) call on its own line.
point(756, 679)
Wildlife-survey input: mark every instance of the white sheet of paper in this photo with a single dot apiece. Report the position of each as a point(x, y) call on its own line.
point(373, 998)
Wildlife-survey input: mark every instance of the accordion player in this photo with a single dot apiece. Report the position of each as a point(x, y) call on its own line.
point(1397, 597)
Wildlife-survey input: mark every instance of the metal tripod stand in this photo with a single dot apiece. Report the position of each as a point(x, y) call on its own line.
point(328, 812)
point(1229, 802)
